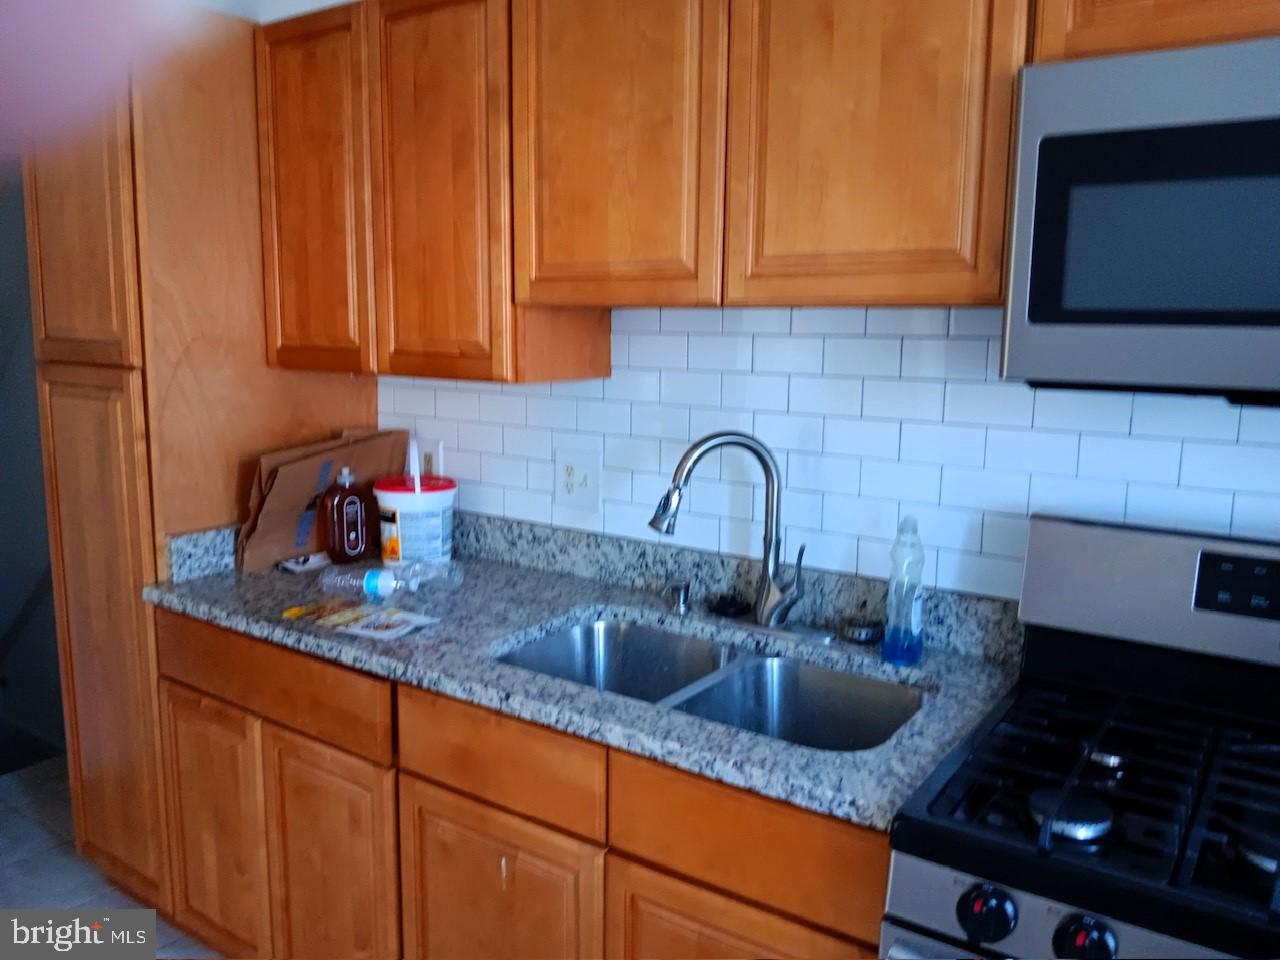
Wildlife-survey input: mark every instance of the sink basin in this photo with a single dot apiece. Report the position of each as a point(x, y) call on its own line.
point(622, 657)
point(806, 705)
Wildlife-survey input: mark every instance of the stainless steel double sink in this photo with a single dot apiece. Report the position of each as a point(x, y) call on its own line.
point(779, 697)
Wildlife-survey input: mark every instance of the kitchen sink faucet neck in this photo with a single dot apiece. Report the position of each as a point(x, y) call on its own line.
point(774, 597)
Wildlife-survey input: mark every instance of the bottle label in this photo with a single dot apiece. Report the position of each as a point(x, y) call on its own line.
point(353, 529)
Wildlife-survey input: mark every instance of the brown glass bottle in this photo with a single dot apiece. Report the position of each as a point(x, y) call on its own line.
point(349, 515)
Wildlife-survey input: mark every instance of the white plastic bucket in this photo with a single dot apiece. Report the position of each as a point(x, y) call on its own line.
point(416, 527)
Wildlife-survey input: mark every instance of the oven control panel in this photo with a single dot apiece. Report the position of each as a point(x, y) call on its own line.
point(1233, 583)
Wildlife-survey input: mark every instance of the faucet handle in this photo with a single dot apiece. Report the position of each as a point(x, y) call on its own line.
point(678, 590)
point(795, 589)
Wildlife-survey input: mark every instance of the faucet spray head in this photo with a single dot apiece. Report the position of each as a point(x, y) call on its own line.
point(664, 517)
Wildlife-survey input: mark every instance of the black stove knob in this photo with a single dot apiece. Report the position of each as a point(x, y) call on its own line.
point(986, 913)
point(1084, 937)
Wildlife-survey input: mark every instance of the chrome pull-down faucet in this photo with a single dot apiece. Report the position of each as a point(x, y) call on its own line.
point(774, 597)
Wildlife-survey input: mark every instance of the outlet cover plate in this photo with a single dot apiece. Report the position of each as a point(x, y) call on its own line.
point(577, 480)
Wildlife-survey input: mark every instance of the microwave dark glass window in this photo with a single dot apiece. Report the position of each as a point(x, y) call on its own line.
point(1173, 225)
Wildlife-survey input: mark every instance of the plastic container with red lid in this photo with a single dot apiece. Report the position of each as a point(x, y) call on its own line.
point(417, 527)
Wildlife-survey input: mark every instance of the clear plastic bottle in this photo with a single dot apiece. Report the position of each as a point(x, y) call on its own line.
point(377, 582)
point(904, 626)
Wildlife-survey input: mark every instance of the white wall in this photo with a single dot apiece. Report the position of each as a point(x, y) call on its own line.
point(268, 11)
point(874, 413)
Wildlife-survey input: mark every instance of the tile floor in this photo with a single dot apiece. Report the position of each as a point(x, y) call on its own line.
point(38, 862)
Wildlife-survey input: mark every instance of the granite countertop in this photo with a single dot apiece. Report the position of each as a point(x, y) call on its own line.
point(497, 608)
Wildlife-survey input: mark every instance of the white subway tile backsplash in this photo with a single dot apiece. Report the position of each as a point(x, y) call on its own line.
point(529, 442)
point(1123, 458)
point(757, 320)
point(984, 489)
point(1070, 497)
point(1095, 411)
point(690, 319)
point(788, 354)
point(1036, 452)
point(695, 389)
point(907, 320)
point(754, 391)
point(1179, 508)
point(826, 395)
point(1002, 404)
point(872, 415)
point(959, 446)
point(1166, 415)
point(902, 399)
point(862, 356)
point(1254, 516)
point(790, 431)
point(554, 412)
point(720, 353)
point(891, 479)
point(977, 321)
point(944, 359)
point(1223, 467)
point(821, 321)
point(604, 416)
point(663, 350)
point(1260, 425)
point(869, 438)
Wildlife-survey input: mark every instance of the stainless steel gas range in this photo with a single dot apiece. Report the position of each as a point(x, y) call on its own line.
point(1124, 799)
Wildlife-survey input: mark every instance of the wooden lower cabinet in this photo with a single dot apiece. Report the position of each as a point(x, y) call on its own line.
point(653, 916)
point(217, 822)
point(478, 882)
point(331, 845)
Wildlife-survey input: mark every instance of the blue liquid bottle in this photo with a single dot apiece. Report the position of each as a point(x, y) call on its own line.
point(904, 626)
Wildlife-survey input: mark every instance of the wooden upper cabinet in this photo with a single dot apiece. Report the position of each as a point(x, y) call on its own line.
point(316, 233)
point(653, 916)
point(83, 246)
point(478, 882)
point(1085, 28)
point(216, 820)
point(869, 149)
point(331, 841)
point(97, 492)
point(619, 139)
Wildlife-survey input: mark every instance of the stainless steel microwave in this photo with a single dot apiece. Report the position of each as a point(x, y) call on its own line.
point(1145, 230)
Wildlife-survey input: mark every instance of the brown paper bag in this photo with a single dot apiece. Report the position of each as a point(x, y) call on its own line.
point(288, 485)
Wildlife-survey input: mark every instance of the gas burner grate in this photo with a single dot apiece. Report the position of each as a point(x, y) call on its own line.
point(1061, 750)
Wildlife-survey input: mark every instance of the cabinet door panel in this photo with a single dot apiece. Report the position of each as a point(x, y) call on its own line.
point(1084, 28)
point(82, 246)
point(868, 149)
point(479, 882)
point(619, 132)
point(97, 492)
point(653, 916)
point(331, 835)
point(214, 756)
point(442, 150)
point(317, 237)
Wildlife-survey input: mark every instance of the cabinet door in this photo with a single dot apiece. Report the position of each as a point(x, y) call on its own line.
point(214, 757)
point(653, 916)
point(1085, 28)
point(619, 138)
point(82, 246)
point(441, 187)
point(478, 882)
point(97, 493)
point(869, 148)
point(316, 233)
point(331, 838)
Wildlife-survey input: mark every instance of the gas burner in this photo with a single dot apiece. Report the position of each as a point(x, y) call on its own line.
point(1077, 816)
point(1259, 860)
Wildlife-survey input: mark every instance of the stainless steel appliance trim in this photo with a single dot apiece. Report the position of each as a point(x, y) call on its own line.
point(1225, 82)
point(899, 944)
point(1140, 585)
point(924, 894)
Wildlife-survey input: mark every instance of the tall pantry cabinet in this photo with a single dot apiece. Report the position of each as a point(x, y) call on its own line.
point(155, 399)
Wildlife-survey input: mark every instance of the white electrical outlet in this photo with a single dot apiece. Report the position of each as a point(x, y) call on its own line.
point(433, 458)
point(578, 480)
